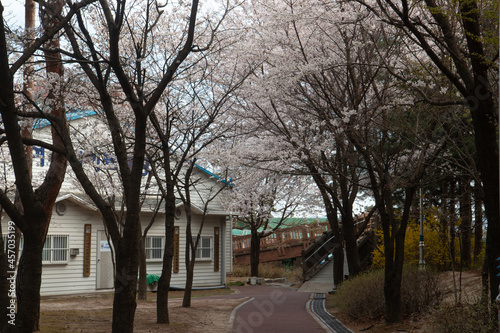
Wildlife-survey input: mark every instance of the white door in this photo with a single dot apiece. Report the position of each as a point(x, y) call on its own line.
point(104, 270)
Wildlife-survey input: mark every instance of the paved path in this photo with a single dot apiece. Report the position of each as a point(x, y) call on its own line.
point(274, 309)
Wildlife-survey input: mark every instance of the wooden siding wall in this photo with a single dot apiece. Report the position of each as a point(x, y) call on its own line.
point(59, 279)
point(62, 279)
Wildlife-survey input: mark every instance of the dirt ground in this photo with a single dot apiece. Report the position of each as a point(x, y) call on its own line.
point(92, 313)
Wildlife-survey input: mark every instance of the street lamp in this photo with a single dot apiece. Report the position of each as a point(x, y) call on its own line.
point(421, 245)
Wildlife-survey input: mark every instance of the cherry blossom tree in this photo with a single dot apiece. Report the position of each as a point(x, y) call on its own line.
point(265, 185)
point(135, 55)
point(122, 55)
point(33, 212)
point(335, 97)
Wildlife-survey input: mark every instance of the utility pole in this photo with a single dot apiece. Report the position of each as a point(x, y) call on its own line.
point(421, 245)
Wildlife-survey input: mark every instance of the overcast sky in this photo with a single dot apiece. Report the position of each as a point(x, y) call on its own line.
point(14, 12)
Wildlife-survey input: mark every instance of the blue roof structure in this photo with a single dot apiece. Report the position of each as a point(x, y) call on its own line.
point(73, 114)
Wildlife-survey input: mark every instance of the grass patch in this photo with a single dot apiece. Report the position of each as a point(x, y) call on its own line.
point(236, 283)
point(464, 317)
point(270, 270)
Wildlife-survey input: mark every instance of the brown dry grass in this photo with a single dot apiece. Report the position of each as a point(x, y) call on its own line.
point(468, 289)
point(93, 313)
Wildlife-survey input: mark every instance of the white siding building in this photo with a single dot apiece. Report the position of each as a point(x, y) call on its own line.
point(77, 257)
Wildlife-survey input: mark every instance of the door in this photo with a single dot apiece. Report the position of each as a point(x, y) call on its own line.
point(104, 270)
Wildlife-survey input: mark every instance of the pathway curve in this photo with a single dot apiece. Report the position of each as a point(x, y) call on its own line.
point(274, 309)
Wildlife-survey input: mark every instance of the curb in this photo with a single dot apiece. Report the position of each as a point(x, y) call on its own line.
point(233, 313)
point(317, 306)
point(316, 317)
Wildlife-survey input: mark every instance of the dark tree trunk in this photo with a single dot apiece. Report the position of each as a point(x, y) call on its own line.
point(189, 257)
point(392, 276)
point(4, 283)
point(485, 120)
point(478, 220)
point(127, 263)
point(338, 266)
point(162, 316)
point(143, 284)
point(29, 279)
point(394, 241)
point(349, 232)
point(392, 295)
point(186, 301)
point(466, 221)
point(338, 259)
point(254, 252)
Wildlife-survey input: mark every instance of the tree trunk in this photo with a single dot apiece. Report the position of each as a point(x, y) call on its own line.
point(127, 263)
point(351, 246)
point(189, 255)
point(466, 221)
point(189, 263)
point(29, 279)
point(143, 284)
point(254, 253)
point(338, 266)
point(186, 301)
point(392, 295)
point(485, 120)
point(478, 223)
point(162, 316)
point(4, 283)
point(392, 278)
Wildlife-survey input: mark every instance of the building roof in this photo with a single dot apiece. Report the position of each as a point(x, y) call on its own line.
point(241, 229)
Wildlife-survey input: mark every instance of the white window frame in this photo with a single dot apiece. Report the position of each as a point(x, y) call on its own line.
point(200, 248)
point(55, 252)
point(6, 243)
point(149, 249)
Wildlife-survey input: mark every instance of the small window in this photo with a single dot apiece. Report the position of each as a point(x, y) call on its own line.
point(155, 245)
point(205, 248)
point(9, 244)
point(56, 249)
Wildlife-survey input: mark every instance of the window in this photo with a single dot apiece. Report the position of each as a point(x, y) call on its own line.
point(155, 245)
point(9, 244)
point(205, 247)
point(56, 249)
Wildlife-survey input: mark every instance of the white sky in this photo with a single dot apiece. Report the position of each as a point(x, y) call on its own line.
point(14, 12)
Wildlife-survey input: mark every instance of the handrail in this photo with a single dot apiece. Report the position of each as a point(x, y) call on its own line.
point(320, 247)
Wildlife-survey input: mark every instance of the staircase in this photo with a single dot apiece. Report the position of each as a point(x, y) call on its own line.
point(317, 258)
point(317, 255)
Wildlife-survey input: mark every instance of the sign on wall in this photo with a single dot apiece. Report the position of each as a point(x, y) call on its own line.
point(216, 248)
point(87, 244)
point(176, 249)
point(104, 246)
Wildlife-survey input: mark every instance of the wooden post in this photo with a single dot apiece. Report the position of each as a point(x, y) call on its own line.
point(87, 248)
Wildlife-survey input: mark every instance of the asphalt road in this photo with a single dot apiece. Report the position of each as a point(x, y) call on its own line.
point(273, 309)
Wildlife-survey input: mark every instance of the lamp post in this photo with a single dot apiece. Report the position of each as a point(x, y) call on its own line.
point(421, 245)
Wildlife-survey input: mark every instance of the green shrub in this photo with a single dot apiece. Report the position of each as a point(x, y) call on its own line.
point(362, 297)
point(420, 291)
